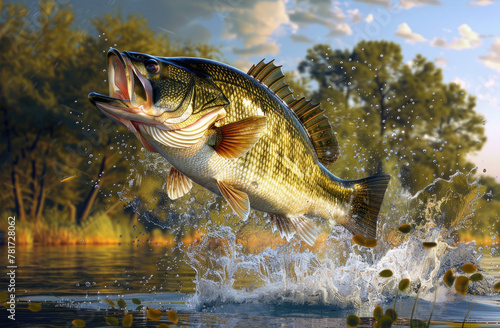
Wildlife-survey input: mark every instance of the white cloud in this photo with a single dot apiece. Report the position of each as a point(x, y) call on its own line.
point(407, 4)
point(300, 38)
point(405, 32)
point(491, 82)
point(468, 39)
point(441, 62)
point(492, 60)
point(385, 3)
point(257, 23)
point(356, 17)
point(369, 18)
point(481, 2)
point(258, 49)
point(460, 82)
point(322, 12)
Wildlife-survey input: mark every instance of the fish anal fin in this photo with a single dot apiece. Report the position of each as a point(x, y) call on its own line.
point(177, 184)
point(272, 76)
point(320, 132)
point(365, 206)
point(288, 227)
point(238, 200)
point(305, 229)
point(236, 139)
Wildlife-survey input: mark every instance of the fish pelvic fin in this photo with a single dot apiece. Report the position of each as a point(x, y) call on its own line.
point(236, 139)
point(365, 206)
point(177, 184)
point(238, 200)
point(288, 227)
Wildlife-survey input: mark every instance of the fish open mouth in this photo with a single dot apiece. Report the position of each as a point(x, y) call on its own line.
point(130, 96)
point(130, 104)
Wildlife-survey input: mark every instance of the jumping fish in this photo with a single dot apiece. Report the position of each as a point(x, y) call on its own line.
point(242, 136)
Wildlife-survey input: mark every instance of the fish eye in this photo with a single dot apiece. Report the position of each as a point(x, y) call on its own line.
point(152, 66)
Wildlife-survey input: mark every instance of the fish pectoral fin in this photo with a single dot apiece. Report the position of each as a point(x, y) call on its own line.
point(238, 200)
point(236, 139)
point(177, 184)
point(288, 227)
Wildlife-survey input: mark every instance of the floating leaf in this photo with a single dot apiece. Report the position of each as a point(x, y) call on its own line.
point(370, 242)
point(35, 307)
point(497, 286)
point(68, 178)
point(469, 268)
point(416, 323)
point(110, 302)
point(139, 307)
point(127, 320)
point(78, 323)
point(378, 312)
point(462, 284)
point(405, 228)
point(172, 316)
point(385, 273)
point(154, 314)
point(352, 320)
point(136, 301)
point(163, 325)
point(3, 297)
point(111, 321)
point(476, 277)
point(429, 244)
point(449, 278)
point(392, 314)
point(404, 284)
point(121, 303)
point(385, 322)
point(358, 239)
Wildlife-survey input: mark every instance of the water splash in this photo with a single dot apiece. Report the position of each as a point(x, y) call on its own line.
point(338, 272)
point(244, 263)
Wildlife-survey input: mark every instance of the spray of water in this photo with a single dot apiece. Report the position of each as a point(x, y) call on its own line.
point(238, 263)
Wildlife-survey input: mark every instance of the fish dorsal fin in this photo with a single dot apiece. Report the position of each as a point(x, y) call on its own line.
point(271, 76)
point(311, 115)
point(319, 129)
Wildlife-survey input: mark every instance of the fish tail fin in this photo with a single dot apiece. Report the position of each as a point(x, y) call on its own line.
point(365, 207)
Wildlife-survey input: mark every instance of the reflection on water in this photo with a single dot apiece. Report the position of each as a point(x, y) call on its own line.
point(72, 282)
point(63, 270)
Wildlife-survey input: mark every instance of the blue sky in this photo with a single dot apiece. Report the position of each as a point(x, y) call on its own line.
point(460, 36)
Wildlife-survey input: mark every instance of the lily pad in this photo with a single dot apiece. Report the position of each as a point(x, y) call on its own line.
point(154, 314)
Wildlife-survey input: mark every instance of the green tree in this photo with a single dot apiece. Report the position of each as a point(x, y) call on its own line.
point(49, 129)
point(393, 116)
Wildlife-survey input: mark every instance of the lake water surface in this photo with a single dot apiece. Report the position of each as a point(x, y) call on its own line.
point(72, 282)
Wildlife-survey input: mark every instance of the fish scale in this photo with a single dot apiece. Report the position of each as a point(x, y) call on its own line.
point(259, 151)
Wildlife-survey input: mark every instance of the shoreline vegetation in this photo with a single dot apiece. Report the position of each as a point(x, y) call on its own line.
point(101, 230)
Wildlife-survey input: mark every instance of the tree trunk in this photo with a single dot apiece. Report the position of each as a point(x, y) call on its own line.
point(35, 190)
point(92, 195)
point(41, 195)
point(71, 211)
point(18, 195)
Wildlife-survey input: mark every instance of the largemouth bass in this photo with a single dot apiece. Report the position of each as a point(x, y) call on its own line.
point(242, 136)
